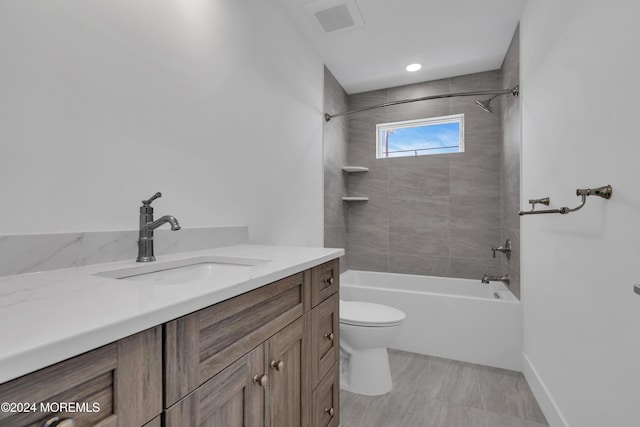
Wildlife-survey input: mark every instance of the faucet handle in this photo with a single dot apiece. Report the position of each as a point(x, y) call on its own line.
point(151, 199)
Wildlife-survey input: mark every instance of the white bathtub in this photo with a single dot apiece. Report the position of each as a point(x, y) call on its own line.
point(457, 319)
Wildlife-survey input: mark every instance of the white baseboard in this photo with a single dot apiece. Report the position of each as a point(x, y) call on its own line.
point(540, 391)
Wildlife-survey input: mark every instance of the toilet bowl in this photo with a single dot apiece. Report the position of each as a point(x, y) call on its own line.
point(366, 329)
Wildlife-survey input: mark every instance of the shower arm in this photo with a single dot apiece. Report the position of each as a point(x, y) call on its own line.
point(605, 192)
point(515, 91)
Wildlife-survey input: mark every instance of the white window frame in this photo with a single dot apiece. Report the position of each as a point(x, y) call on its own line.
point(430, 121)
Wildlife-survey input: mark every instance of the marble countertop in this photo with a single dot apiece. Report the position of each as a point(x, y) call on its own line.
point(50, 316)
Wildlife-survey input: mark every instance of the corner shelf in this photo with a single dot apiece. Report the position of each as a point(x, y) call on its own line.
point(353, 169)
point(355, 199)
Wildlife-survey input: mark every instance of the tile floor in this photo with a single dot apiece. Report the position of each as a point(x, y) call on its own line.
point(434, 392)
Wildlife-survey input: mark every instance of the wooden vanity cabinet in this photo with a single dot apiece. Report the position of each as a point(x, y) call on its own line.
point(268, 357)
point(259, 359)
point(118, 385)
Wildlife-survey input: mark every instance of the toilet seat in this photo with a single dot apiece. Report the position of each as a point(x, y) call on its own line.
point(359, 313)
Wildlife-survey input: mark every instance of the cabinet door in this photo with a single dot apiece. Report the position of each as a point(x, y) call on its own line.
point(117, 385)
point(232, 398)
point(287, 392)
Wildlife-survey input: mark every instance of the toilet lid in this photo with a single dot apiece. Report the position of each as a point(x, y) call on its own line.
point(360, 313)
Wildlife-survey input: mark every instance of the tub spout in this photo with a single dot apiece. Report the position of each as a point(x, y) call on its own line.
point(488, 279)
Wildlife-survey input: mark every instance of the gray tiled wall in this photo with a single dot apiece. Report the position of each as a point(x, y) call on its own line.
point(335, 134)
point(432, 215)
point(511, 150)
point(435, 215)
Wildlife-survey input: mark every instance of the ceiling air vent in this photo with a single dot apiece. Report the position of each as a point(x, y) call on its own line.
point(336, 15)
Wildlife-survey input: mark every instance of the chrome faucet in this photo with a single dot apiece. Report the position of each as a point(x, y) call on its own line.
point(504, 279)
point(147, 225)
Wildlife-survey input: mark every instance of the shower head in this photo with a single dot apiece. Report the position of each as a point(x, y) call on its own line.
point(485, 105)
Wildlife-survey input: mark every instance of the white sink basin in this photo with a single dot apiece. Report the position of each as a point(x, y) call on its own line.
point(184, 271)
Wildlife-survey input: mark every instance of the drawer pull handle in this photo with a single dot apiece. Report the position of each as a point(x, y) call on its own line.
point(278, 366)
point(329, 336)
point(261, 380)
point(330, 280)
point(330, 411)
point(59, 422)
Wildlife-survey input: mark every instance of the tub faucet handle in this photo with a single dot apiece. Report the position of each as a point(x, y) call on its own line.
point(505, 249)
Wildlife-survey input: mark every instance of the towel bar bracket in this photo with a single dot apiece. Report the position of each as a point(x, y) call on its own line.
point(605, 192)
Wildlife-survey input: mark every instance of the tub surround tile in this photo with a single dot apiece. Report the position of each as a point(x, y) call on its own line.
point(335, 237)
point(419, 183)
point(475, 211)
point(368, 261)
point(434, 108)
point(474, 181)
point(434, 212)
point(432, 241)
point(514, 261)
point(470, 241)
point(368, 238)
point(334, 157)
point(366, 99)
point(421, 265)
point(419, 110)
point(511, 209)
point(487, 80)
point(474, 116)
point(443, 212)
point(475, 268)
point(510, 163)
point(21, 254)
point(374, 183)
point(374, 212)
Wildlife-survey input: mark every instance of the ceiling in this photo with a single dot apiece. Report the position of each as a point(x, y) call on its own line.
point(448, 37)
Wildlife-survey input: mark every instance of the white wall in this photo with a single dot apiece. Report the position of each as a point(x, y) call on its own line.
point(579, 79)
point(218, 104)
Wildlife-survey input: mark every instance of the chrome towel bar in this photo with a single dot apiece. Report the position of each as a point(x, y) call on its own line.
point(605, 192)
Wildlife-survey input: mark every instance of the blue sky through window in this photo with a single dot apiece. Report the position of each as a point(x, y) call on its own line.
point(416, 139)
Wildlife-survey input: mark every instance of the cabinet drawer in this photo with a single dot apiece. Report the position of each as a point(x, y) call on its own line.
point(202, 344)
point(325, 281)
point(325, 338)
point(118, 385)
point(326, 400)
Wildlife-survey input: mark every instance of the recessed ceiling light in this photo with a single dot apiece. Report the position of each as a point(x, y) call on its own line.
point(413, 67)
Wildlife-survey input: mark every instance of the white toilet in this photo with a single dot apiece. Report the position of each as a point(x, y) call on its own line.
point(366, 329)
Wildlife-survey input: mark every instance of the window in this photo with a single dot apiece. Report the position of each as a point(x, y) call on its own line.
point(423, 137)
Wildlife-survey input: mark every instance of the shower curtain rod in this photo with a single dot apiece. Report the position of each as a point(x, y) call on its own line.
point(515, 91)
